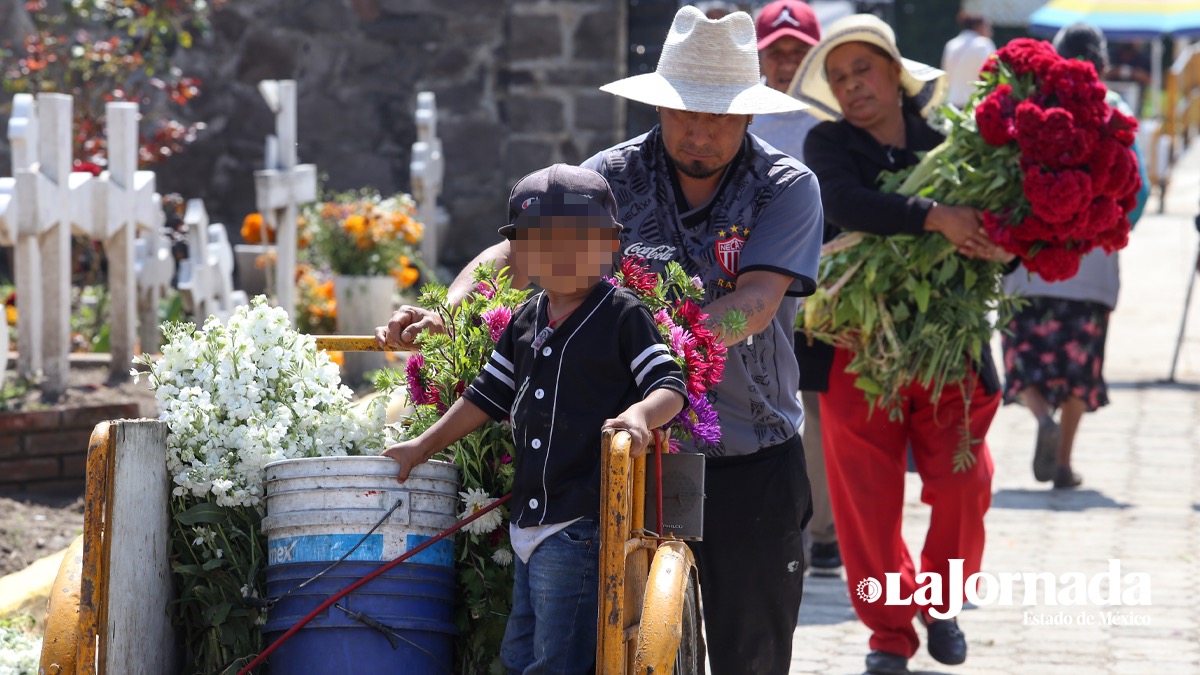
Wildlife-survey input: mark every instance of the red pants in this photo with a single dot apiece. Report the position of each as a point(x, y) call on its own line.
point(866, 458)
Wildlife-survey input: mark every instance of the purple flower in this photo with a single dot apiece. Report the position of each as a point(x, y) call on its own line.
point(700, 420)
point(497, 319)
point(697, 283)
point(416, 387)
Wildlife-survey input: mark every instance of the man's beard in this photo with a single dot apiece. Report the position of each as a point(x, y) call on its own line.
point(698, 170)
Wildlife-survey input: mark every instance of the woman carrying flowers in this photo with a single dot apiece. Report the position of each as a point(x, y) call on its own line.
point(581, 356)
point(1054, 355)
point(857, 77)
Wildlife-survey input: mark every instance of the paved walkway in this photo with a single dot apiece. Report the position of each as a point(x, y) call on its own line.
point(1140, 501)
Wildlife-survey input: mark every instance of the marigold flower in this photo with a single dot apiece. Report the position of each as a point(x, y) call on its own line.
point(252, 230)
point(10, 313)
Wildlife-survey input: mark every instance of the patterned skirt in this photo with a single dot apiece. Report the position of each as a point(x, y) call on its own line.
point(1058, 346)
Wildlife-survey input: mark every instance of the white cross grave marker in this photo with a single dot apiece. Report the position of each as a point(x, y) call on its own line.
point(51, 201)
point(22, 139)
point(282, 186)
point(427, 171)
point(206, 277)
point(124, 202)
point(155, 268)
point(23, 143)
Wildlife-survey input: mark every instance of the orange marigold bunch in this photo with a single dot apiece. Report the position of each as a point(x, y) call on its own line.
point(316, 307)
point(363, 234)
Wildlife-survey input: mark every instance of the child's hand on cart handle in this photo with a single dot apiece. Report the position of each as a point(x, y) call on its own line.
point(652, 412)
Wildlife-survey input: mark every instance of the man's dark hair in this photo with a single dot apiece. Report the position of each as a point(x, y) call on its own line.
point(1083, 41)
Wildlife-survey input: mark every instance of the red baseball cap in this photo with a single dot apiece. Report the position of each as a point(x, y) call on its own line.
point(787, 17)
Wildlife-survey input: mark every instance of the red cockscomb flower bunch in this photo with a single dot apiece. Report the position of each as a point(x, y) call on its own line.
point(673, 300)
point(1077, 173)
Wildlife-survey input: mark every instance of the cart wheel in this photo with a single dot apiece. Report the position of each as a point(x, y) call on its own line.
point(689, 660)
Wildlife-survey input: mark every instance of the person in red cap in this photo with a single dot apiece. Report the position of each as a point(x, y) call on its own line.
point(786, 31)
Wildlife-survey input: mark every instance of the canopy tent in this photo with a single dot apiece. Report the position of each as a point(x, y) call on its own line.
point(1126, 20)
point(1122, 19)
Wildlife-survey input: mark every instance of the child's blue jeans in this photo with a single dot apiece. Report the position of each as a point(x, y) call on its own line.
point(552, 627)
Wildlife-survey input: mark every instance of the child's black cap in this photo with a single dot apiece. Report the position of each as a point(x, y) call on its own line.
point(559, 190)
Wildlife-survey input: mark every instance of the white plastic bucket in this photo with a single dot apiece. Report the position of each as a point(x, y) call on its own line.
point(319, 508)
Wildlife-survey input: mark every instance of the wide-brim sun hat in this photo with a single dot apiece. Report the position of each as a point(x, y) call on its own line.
point(707, 66)
point(926, 85)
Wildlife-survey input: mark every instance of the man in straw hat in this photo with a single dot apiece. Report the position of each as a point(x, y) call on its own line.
point(746, 221)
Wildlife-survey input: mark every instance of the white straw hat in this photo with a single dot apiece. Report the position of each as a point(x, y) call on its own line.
point(707, 66)
point(925, 84)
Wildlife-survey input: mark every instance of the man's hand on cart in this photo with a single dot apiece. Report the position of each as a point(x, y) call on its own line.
point(405, 325)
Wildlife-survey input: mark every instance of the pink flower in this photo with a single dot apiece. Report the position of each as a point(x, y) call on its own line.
point(663, 318)
point(497, 319)
point(417, 391)
point(681, 340)
point(485, 289)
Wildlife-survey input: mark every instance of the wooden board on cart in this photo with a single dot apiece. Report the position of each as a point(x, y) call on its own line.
point(121, 618)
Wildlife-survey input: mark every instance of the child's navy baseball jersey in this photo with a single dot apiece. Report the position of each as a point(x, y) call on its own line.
point(558, 391)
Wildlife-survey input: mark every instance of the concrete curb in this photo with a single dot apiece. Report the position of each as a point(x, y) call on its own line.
point(26, 591)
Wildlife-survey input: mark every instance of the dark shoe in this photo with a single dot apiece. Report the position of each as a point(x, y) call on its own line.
point(826, 560)
point(1066, 479)
point(946, 642)
point(1045, 455)
point(886, 663)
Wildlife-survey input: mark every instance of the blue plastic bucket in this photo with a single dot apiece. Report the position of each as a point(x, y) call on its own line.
point(414, 602)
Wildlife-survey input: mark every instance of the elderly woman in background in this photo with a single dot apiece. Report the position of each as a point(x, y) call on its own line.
point(1054, 353)
point(875, 102)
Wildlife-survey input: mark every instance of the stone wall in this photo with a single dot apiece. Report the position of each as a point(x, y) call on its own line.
point(515, 82)
point(45, 451)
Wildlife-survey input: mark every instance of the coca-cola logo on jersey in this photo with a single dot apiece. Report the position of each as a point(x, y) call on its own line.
point(639, 249)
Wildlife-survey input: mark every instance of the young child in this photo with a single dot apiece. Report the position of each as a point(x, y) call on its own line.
point(578, 357)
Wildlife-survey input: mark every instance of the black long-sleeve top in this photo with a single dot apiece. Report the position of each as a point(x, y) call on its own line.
point(847, 161)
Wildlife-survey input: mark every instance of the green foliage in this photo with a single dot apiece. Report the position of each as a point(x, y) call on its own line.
point(218, 558)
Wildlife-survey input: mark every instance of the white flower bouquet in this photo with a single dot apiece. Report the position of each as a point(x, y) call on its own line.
point(236, 397)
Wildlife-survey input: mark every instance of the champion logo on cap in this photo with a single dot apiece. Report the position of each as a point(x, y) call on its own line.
point(532, 200)
point(786, 15)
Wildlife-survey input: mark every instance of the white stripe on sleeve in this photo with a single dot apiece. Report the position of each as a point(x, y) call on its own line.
point(500, 376)
point(499, 358)
point(652, 349)
point(661, 358)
